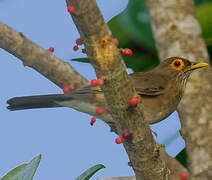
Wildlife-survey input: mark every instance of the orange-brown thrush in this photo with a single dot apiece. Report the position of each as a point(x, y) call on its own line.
point(160, 89)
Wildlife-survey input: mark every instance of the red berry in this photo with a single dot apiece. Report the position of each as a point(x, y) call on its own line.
point(119, 140)
point(107, 111)
point(79, 41)
point(184, 176)
point(51, 49)
point(75, 48)
point(93, 120)
point(100, 81)
point(133, 101)
point(71, 9)
point(127, 52)
point(93, 82)
point(67, 89)
point(99, 111)
point(126, 134)
point(116, 41)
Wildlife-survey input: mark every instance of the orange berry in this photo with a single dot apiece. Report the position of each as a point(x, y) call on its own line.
point(126, 134)
point(67, 89)
point(107, 111)
point(119, 140)
point(127, 52)
point(99, 111)
point(79, 41)
point(184, 176)
point(93, 82)
point(100, 81)
point(75, 48)
point(133, 101)
point(116, 41)
point(93, 120)
point(51, 49)
point(71, 9)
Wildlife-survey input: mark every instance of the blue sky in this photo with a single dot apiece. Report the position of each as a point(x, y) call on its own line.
point(64, 137)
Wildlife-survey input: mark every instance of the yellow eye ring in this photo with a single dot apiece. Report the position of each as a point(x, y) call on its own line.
point(177, 64)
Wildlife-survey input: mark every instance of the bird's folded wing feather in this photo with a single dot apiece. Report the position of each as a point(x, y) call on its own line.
point(146, 83)
point(149, 83)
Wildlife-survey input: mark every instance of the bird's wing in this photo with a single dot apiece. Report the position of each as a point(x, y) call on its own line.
point(88, 94)
point(146, 83)
point(149, 83)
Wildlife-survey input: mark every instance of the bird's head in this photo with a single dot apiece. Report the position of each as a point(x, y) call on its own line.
point(178, 69)
point(179, 66)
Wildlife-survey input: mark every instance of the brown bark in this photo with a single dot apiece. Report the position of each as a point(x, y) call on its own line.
point(118, 89)
point(178, 33)
point(175, 169)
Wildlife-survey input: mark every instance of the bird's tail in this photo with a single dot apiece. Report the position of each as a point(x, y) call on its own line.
point(31, 102)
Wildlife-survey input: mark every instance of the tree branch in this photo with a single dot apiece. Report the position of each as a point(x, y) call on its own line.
point(178, 33)
point(43, 61)
point(118, 89)
point(175, 168)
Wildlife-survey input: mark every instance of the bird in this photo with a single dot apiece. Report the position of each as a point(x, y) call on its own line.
point(160, 89)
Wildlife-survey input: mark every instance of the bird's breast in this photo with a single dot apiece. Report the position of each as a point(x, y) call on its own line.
point(157, 108)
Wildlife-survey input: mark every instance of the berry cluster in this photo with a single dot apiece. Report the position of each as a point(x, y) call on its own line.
point(79, 42)
point(99, 111)
point(125, 135)
point(67, 89)
point(97, 82)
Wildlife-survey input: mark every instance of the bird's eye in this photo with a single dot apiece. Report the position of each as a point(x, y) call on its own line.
point(177, 64)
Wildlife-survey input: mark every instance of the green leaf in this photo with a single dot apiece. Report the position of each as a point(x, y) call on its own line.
point(201, 1)
point(91, 171)
point(182, 158)
point(84, 60)
point(119, 31)
point(138, 23)
point(205, 18)
point(134, 24)
point(24, 171)
point(140, 63)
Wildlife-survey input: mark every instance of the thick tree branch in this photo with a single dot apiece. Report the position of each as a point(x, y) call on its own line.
point(43, 61)
point(175, 169)
point(118, 89)
point(178, 33)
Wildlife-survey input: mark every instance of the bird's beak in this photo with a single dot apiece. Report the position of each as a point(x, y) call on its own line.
point(198, 65)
